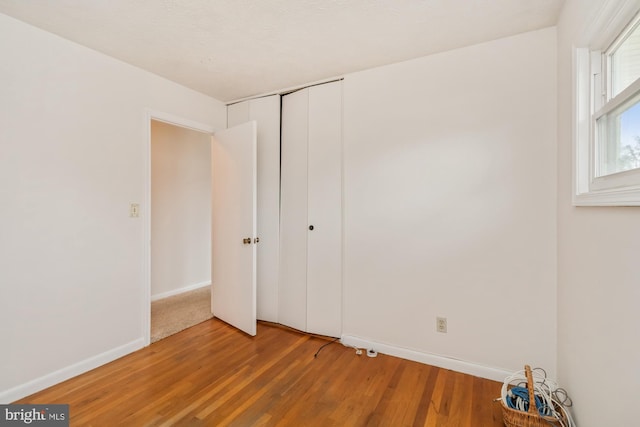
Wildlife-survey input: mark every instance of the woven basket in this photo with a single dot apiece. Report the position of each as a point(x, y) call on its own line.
point(515, 418)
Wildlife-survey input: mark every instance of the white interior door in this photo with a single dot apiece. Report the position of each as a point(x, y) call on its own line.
point(233, 226)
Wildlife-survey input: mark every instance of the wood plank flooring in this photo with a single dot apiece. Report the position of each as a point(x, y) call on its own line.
point(212, 375)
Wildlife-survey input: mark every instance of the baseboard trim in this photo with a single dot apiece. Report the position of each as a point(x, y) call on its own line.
point(64, 374)
point(428, 358)
point(179, 291)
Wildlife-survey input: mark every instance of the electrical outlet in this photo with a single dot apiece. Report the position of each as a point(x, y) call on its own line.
point(441, 324)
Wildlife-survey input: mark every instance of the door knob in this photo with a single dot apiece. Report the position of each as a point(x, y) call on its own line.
point(311, 227)
point(256, 240)
point(247, 241)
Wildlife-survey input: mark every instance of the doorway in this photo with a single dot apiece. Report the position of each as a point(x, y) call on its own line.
point(179, 227)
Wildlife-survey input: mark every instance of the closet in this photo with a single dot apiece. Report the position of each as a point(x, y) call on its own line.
point(310, 285)
point(299, 206)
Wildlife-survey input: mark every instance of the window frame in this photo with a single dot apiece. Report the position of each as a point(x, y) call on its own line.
point(592, 100)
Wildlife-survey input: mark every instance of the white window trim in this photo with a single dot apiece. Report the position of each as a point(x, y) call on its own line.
point(610, 190)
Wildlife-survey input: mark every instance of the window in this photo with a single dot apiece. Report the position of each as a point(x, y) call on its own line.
point(607, 134)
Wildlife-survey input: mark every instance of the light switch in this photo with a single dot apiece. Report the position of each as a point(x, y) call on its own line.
point(134, 210)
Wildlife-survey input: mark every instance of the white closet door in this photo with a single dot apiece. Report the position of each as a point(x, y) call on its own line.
point(266, 113)
point(292, 306)
point(324, 248)
point(233, 226)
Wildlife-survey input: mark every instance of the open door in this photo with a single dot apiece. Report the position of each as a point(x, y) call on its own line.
point(233, 226)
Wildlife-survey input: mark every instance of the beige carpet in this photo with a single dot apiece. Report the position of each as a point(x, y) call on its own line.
point(179, 312)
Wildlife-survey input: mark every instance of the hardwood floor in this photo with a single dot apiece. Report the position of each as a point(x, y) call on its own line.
point(212, 375)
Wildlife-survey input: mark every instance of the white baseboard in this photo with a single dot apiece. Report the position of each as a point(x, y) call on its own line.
point(179, 291)
point(428, 358)
point(33, 386)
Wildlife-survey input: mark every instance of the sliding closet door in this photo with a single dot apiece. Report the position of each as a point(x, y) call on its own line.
point(324, 248)
point(292, 309)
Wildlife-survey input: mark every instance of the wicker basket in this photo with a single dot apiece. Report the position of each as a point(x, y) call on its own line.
point(515, 418)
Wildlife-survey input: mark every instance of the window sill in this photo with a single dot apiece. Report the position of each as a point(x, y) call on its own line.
point(627, 196)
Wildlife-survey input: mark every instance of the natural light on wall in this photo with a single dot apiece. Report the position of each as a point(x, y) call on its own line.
point(607, 137)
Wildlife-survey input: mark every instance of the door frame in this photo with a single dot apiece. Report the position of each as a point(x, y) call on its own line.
point(174, 120)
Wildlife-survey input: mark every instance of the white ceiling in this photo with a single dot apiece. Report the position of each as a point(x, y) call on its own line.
point(231, 49)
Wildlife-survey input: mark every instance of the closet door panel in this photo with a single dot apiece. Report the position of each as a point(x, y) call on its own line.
point(266, 112)
point(324, 252)
point(233, 220)
point(292, 307)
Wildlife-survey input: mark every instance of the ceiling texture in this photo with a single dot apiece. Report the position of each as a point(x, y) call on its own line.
point(234, 49)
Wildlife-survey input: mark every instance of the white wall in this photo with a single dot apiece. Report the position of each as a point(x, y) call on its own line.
point(73, 157)
point(450, 204)
point(180, 209)
point(598, 274)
